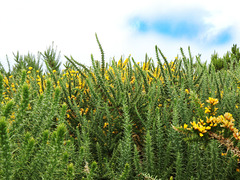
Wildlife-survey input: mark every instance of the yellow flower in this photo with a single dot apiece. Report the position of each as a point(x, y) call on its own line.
point(13, 115)
point(224, 154)
point(228, 116)
point(54, 71)
point(193, 123)
point(125, 62)
point(208, 127)
point(185, 126)
point(86, 110)
point(144, 66)
point(187, 91)
point(119, 63)
point(105, 125)
point(221, 94)
point(212, 101)
point(207, 110)
point(236, 106)
point(201, 134)
point(202, 129)
point(30, 68)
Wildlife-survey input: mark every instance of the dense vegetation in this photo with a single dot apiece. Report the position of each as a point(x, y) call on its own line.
point(121, 119)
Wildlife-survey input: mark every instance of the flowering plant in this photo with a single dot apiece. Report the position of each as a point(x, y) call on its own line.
point(221, 128)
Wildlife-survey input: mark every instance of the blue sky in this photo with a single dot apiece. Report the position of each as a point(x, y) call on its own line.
point(184, 28)
point(123, 27)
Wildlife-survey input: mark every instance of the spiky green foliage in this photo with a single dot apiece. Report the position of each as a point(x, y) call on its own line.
point(6, 162)
point(116, 120)
point(26, 61)
point(228, 61)
point(149, 166)
point(52, 57)
point(102, 56)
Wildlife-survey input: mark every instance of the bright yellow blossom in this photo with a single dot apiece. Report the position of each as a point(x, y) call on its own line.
point(208, 127)
point(212, 101)
point(105, 125)
point(207, 110)
point(125, 62)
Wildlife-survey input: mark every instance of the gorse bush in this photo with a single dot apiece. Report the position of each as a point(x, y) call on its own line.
point(119, 120)
point(231, 57)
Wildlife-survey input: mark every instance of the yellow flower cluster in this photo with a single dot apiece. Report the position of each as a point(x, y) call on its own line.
point(39, 82)
point(227, 122)
point(201, 126)
point(212, 101)
point(224, 121)
point(211, 109)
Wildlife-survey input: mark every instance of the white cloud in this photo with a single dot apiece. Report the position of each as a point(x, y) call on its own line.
point(32, 26)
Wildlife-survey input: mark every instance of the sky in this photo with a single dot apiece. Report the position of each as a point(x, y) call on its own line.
point(126, 27)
